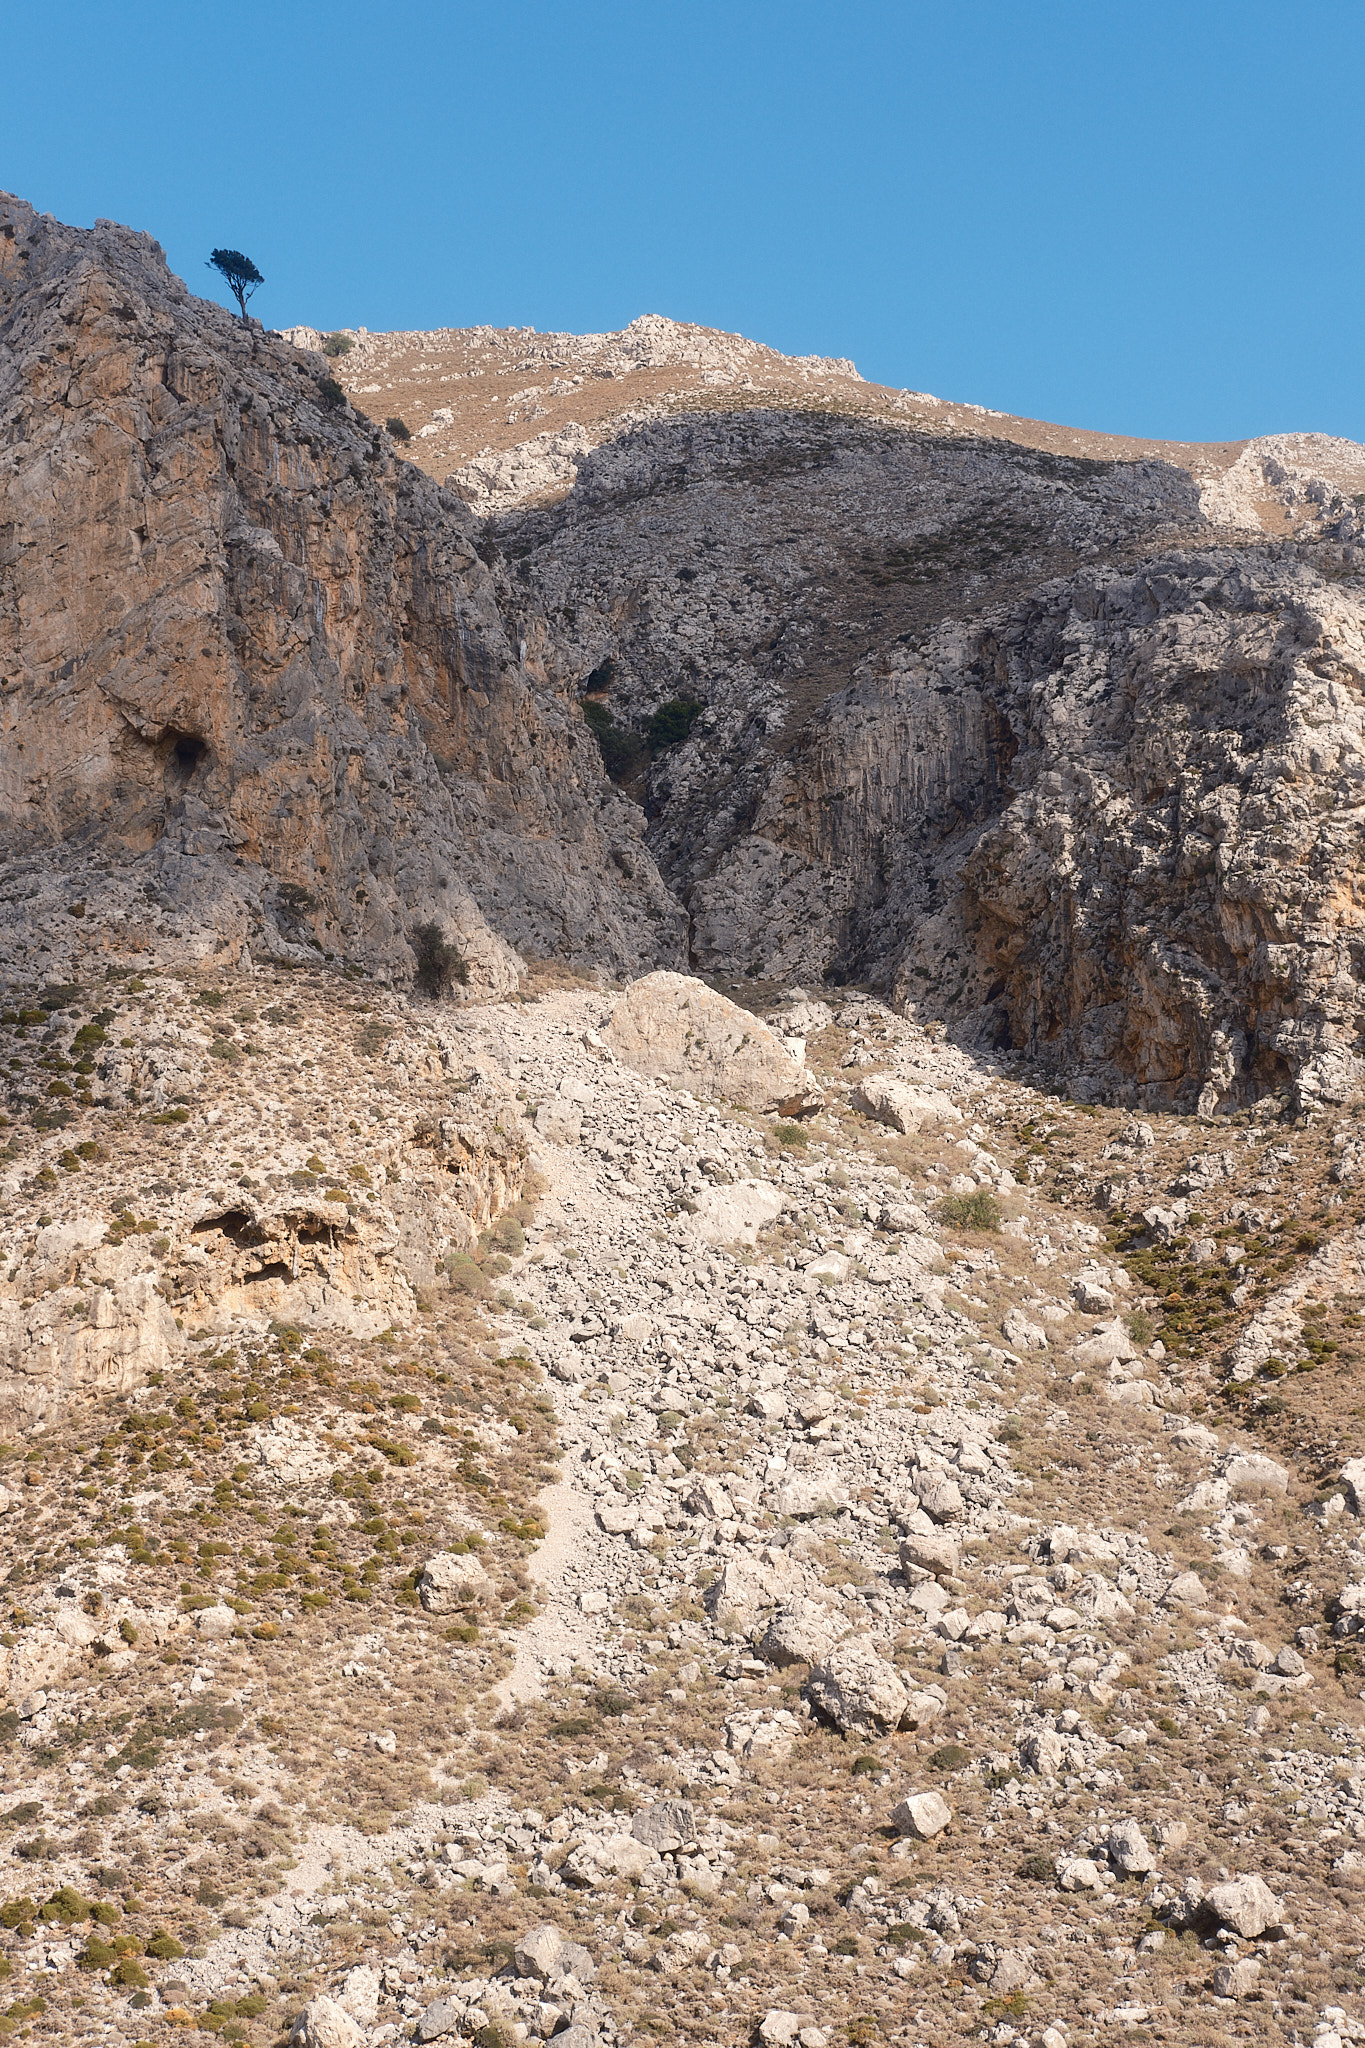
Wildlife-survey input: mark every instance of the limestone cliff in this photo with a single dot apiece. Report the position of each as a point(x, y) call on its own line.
point(252, 662)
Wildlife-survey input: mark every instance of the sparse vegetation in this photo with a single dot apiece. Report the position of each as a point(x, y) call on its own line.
point(440, 966)
point(980, 1211)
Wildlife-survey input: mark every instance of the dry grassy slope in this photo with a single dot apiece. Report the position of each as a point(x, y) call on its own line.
point(495, 383)
point(343, 1779)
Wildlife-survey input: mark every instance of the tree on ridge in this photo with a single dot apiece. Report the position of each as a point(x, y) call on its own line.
point(239, 273)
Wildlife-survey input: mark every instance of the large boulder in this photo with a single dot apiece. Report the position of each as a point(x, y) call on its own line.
point(1129, 1850)
point(450, 1579)
point(324, 2023)
point(674, 1028)
point(803, 1632)
point(902, 1107)
point(546, 1952)
point(921, 1815)
point(744, 1588)
point(856, 1689)
point(1246, 1904)
point(804, 1495)
point(668, 1825)
point(735, 1214)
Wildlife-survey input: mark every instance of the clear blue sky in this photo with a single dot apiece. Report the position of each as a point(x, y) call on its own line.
point(1145, 218)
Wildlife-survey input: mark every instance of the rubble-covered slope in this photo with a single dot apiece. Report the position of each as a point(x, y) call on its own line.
point(251, 660)
point(892, 1577)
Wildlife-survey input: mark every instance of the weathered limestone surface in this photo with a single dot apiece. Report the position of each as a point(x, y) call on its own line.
point(255, 658)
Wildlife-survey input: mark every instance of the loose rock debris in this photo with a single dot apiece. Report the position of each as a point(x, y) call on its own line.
point(643, 1630)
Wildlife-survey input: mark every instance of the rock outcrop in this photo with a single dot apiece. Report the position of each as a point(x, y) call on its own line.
point(674, 1028)
point(253, 660)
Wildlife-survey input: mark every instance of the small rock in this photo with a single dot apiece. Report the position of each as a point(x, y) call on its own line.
point(1235, 1980)
point(922, 1814)
point(1080, 1874)
point(1187, 1589)
point(1129, 1851)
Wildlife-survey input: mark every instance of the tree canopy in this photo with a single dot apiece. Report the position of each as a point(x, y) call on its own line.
point(239, 273)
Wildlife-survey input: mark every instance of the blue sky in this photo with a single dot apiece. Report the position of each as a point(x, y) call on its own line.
point(1139, 218)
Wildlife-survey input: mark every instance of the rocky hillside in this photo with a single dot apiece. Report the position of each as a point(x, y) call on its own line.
point(509, 1536)
point(541, 1501)
point(1046, 733)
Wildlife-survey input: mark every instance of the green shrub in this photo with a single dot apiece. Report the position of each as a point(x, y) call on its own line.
point(980, 1211)
point(671, 723)
point(465, 1276)
point(331, 393)
point(399, 429)
point(506, 1235)
point(439, 964)
point(623, 752)
point(337, 345)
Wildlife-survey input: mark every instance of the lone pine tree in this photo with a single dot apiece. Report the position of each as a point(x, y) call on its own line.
point(240, 274)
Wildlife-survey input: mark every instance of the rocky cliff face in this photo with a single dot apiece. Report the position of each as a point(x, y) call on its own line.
point(1113, 826)
point(252, 660)
point(1058, 746)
